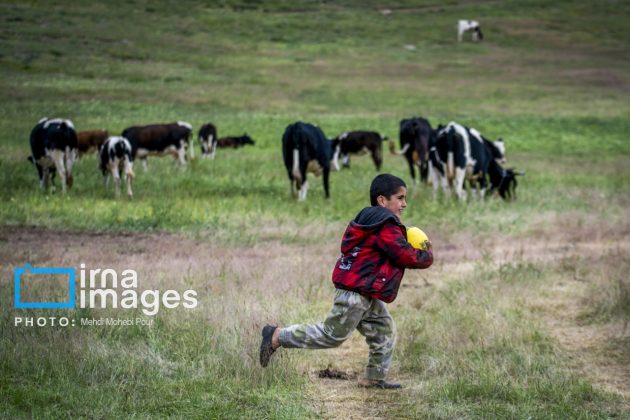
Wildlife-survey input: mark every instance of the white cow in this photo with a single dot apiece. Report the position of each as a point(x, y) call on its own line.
point(469, 25)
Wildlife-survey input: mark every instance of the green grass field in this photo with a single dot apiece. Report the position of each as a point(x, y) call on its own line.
point(551, 78)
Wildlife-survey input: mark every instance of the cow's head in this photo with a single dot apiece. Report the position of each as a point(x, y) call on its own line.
point(507, 187)
point(245, 139)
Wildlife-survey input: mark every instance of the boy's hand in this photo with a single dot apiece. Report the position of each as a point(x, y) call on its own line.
point(428, 246)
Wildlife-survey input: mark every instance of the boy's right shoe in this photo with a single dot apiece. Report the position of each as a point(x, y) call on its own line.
point(266, 347)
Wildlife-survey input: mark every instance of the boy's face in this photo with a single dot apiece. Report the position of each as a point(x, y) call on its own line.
point(396, 203)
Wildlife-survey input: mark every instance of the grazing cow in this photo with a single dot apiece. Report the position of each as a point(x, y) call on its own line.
point(89, 141)
point(208, 140)
point(358, 142)
point(54, 146)
point(116, 155)
point(415, 137)
point(159, 139)
point(469, 25)
point(460, 154)
point(305, 147)
point(235, 142)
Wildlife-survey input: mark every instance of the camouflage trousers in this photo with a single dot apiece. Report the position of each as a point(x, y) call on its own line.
point(350, 311)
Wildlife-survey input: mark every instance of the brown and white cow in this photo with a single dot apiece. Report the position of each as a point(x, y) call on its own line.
point(358, 142)
point(115, 155)
point(54, 147)
point(91, 140)
point(159, 139)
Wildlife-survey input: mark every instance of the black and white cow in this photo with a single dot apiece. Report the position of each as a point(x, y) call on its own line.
point(159, 139)
point(461, 154)
point(54, 147)
point(208, 140)
point(358, 142)
point(466, 26)
point(235, 141)
point(305, 147)
point(116, 156)
point(415, 137)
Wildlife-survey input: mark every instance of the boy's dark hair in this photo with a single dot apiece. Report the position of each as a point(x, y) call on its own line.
point(385, 185)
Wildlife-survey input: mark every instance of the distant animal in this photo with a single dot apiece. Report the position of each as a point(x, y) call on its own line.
point(469, 25)
point(208, 140)
point(459, 154)
point(235, 142)
point(54, 147)
point(358, 142)
point(115, 156)
point(305, 148)
point(159, 139)
point(503, 180)
point(415, 136)
point(91, 140)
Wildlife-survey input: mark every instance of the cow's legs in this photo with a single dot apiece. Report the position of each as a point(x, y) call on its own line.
point(214, 147)
point(377, 157)
point(205, 148)
point(46, 179)
point(412, 170)
point(303, 191)
point(70, 158)
point(327, 182)
point(191, 146)
point(460, 175)
point(293, 187)
point(144, 164)
point(40, 174)
point(296, 171)
point(58, 158)
point(435, 180)
point(345, 160)
point(128, 171)
point(304, 183)
point(181, 152)
point(114, 166)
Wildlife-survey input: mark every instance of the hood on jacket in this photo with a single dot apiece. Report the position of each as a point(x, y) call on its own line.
point(369, 220)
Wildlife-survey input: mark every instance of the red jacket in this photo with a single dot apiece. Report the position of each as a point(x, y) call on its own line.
point(375, 253)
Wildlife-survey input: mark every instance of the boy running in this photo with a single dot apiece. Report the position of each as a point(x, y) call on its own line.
point(375, 253)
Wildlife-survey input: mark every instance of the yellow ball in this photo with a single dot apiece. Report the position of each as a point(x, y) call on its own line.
point(417, 238)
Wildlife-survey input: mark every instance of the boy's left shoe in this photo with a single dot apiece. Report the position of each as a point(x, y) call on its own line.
point(379, 384)
point(266, 346)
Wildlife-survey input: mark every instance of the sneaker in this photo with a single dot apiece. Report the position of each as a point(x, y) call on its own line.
point(266, 348)
point(380, 384)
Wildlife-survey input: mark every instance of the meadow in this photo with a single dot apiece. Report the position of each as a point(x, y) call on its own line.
point(524, 313)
